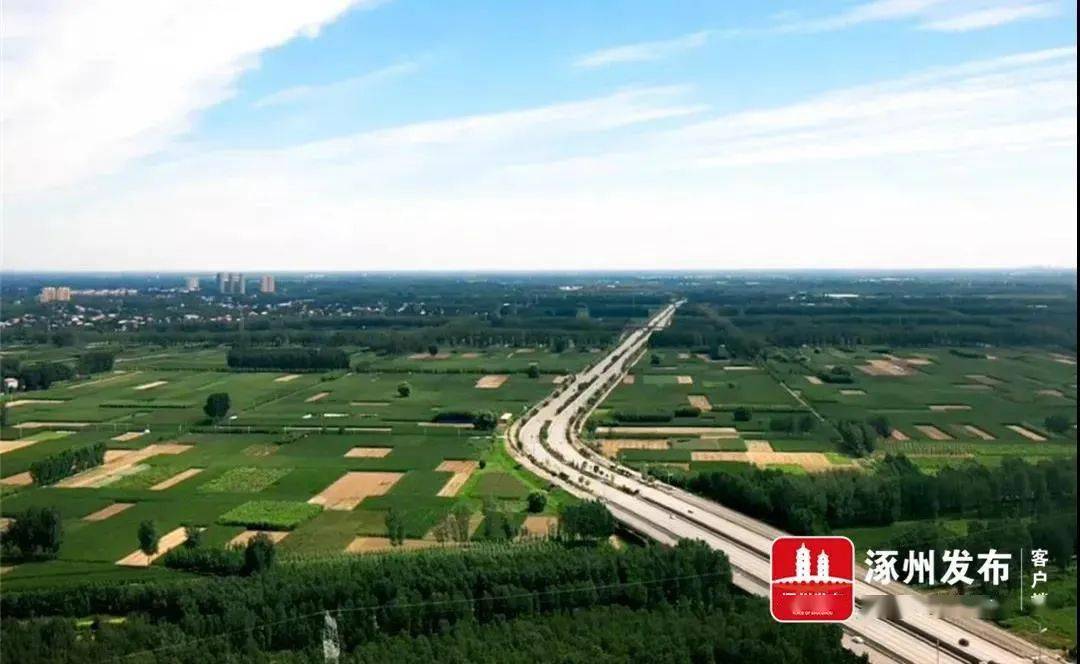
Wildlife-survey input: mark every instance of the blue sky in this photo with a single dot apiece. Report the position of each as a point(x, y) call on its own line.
point(559, 135)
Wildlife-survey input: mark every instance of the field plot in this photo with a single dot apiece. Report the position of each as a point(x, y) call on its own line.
point(353, 487)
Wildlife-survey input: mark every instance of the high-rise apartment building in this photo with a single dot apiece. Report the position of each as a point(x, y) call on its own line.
point(48, 294)
point(191, 284)
point(222, 283)
point(266, 283)
point(237, 285)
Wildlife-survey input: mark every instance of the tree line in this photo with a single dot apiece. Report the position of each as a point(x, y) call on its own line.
point(56, 467)
point(398, 594)
point(287, 359)
point(899, 490)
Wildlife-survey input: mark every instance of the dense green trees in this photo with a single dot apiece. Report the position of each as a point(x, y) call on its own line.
point(287, 359)
point(36, 375)
point(856, 438)
point(588, 520)
point(897, 491)
point(404, 389)
point(380, 597)
point(36, 533)
point(95, 361)
point(483, 420)
point(533, 371)
point(1058, 424)
point(65, 463)
point(217, 405)
point(259, 554)
point(148, 538)
point(395, 526)
point(537, 501)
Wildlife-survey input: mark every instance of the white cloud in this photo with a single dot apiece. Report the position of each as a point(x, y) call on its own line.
point(991, 17)
point(937, 168)
point(90, 85)
point(338, 89)
point(644, 51)
point(937, 15)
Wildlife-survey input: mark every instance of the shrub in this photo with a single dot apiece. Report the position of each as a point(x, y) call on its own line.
point(687, 411)
point(1058, 424)
point(537, 501)
point(404, 389)
point(259, 555)
point(148, 538)
point(741, 414)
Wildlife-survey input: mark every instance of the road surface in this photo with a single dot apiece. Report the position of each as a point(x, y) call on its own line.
point(546, 441)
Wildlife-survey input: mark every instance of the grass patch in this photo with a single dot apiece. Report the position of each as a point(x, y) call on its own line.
point(500, 485)
point(244, 480)
point(269, 514)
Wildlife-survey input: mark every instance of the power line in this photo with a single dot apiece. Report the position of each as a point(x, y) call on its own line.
point(409, 605)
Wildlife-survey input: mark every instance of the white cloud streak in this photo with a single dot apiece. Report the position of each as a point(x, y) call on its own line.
point(940, 165)
point(644, 51)
point(302, 94)
point(934, 15)
point(90, 85)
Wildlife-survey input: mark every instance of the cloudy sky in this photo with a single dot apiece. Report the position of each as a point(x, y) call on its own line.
point(399, 134)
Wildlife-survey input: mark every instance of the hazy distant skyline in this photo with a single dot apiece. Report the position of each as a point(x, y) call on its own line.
point(395, 135)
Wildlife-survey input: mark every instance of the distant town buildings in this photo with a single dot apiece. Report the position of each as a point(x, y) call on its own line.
point(231, 283)
point(191, 284)
point(266, 283)
point(55, 294)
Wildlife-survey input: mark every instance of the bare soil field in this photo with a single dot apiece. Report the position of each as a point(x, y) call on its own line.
point(116, 463)
point(166, 543)
point(1050, 393)
point(629, 379)
point(317, 397)
point(176, 479)
point(243, 538)
point(684, 380)
point(699, 401)
point(429, 356)
point(470, 355)
point(129, 435)
point(106, 512)
point(976, 431)
point(352, 487)
point(150, 386)
point(32, 402)
point(898, 435)
point(461, 471)
point(814, 380)
point(809, 461)
point(537, 525)
point(369, 404)
point(932, 432)
point(754, 446)
point(17, 444)
point(852, 393)
point(286, 378)
point(610, 447)
point(886, 368)
point(46, 425)
point(1030, 435)
point(983, 379)
point(368, 452)
point(22, 479)
point(120, 375)
point(491, 381)
point(740, 367)
point(946, 407)
point(382, 544)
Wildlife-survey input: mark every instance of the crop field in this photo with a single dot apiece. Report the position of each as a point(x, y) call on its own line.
point(287, 439)
point(944, 407)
